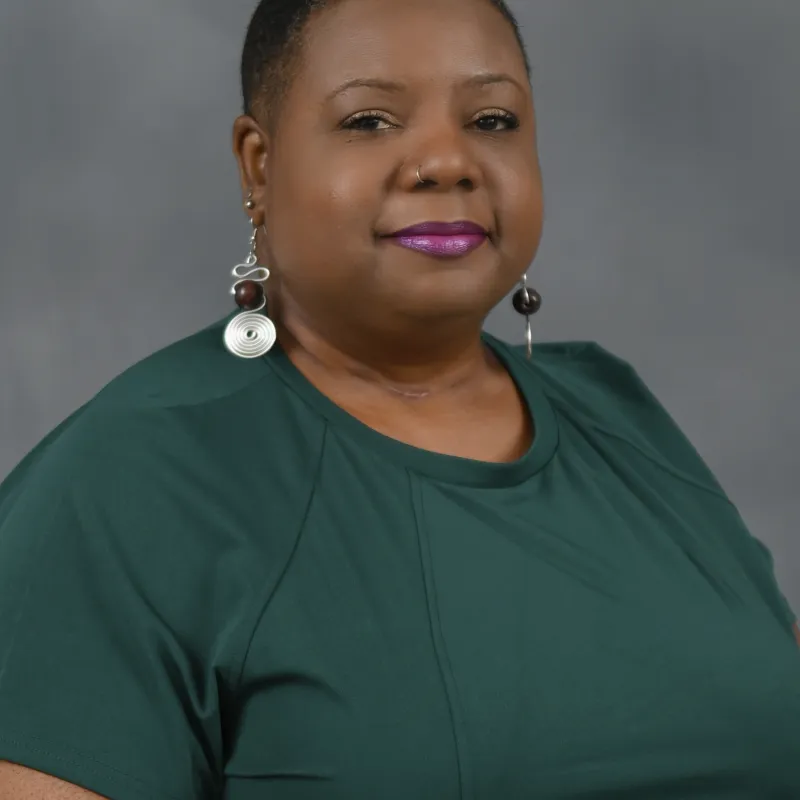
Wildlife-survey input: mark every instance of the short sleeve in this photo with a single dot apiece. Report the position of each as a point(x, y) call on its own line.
point(771, 590)
point(107, 677)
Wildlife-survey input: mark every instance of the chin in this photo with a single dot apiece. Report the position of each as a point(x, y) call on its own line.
point(449, 294)
point(428, 288)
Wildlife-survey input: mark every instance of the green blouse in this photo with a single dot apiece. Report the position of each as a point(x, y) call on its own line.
point(217, 583)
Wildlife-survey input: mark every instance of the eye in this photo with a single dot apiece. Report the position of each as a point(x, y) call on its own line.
point(367, 121)
point(496, 120)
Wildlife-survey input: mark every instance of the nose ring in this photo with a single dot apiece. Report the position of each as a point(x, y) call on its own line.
point(420, 179)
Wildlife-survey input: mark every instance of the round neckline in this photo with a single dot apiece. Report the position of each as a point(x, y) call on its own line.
point(442, 467)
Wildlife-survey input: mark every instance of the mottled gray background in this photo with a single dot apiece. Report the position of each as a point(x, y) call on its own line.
point(669, 135)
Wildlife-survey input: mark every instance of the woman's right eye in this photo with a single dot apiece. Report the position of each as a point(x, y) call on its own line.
point(367, 121)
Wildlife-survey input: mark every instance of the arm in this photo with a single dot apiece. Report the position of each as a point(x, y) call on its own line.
point(21, 783)
point(107, 652)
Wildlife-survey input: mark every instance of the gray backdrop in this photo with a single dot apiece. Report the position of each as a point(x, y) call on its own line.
point(669, 135)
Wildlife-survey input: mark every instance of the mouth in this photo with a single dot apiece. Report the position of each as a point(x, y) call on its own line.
point(441, 239)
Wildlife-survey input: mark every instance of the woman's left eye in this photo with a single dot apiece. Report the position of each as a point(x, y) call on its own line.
point(497, 121)
point(368, 122)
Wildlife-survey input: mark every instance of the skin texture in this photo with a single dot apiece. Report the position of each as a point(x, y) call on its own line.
point(20, 783)
point(390, 335)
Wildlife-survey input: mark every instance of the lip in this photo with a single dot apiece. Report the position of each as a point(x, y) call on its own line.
point(441, 239)
point(458, 228)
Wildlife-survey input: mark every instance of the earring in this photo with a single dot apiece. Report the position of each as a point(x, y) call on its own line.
point(526, 302)
point(250, 334)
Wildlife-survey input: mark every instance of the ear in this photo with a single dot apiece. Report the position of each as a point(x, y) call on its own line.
point(250, 147)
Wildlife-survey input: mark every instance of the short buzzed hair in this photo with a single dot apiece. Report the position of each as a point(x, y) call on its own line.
point(273, 45)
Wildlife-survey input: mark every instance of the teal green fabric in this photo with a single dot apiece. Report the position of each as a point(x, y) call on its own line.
point(216, 583)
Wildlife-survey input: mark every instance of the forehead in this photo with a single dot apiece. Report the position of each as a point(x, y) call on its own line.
point(409, 40)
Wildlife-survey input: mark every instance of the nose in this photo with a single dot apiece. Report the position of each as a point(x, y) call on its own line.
point(445, 162)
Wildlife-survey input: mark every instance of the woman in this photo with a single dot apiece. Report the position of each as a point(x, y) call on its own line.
point(387, 555)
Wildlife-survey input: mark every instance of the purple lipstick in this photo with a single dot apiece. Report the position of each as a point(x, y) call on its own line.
point(442, 239)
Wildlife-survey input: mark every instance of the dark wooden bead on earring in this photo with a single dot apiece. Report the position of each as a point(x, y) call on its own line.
point(249, 295)
point(526, 301)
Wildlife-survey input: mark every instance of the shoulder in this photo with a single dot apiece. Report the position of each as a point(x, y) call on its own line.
point(183, 473)
point(570, 369)
point(189, 392)
point(589, 382)
point(186, 427)
point(192, 371)
point(592, 388)
point(585, 368)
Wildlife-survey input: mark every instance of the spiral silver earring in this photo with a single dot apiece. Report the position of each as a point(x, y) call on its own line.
point(527, 301)
point(250, 334)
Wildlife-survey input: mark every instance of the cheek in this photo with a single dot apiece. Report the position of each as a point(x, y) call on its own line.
point(321, 219)
point(339, 185)
point(340, 200)
point(350, 192)
point(521, 212)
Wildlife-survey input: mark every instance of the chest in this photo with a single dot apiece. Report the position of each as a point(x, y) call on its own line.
point(436, 642)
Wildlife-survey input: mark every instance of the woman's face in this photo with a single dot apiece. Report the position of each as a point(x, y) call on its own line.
point(386, 87)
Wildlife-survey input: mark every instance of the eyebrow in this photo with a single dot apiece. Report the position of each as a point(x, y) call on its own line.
point(370, 83)
point(491, 78)
point(477, 81)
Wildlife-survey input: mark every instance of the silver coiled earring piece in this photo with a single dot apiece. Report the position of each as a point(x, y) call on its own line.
point(251, 333)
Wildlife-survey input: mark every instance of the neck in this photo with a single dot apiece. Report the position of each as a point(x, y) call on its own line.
point(415, 363)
